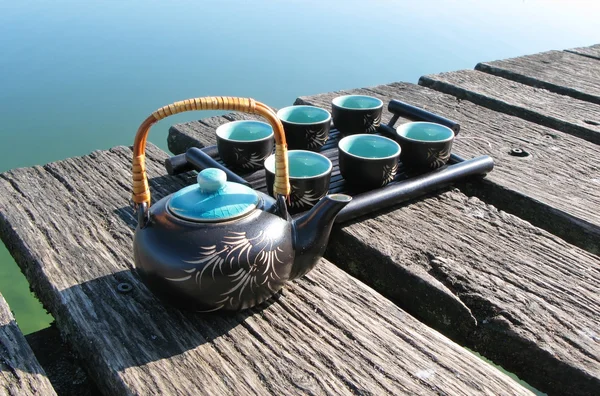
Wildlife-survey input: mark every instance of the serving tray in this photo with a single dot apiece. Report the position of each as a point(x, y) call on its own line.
point(408, 183)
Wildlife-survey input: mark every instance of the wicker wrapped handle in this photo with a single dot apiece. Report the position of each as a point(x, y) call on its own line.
point(141, 191)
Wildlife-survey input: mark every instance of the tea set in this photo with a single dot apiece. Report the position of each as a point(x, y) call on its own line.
point(220, 245)
point(366, 159)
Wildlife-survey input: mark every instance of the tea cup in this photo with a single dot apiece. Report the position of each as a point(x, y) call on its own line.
point(356, 114)
point(306, 127)
point(245, 144)
point(424, 144)
point(367, 160)
point(310, 174)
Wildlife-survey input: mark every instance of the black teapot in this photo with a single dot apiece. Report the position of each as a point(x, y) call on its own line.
point(218, 244)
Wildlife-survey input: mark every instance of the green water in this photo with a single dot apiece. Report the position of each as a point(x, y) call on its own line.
point(511, 375)
point(79, 76)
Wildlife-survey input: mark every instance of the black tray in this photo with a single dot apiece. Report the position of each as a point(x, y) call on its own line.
point(408, 183)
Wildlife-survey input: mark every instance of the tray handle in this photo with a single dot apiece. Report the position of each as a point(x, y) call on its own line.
point(399, 108)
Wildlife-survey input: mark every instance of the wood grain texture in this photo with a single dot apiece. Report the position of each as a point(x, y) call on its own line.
point(592, 51)
point(535, 298)
point(20, 372)
point(69, 226)
point(564, 113)
point(520, 296)
point(556, 188)
point(558, 71)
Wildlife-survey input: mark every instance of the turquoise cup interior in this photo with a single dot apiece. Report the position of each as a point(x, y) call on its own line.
point(303, 114)
point(355, 102)
point(369, 146)
point(303, 164)
point(245, 131)
point(425, 132)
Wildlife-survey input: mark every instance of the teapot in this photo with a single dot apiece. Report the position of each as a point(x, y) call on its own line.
point(220, 245)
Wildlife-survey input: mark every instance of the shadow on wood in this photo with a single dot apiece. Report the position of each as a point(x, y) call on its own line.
point(154, 346)
point(20, 371)
point(64, 369)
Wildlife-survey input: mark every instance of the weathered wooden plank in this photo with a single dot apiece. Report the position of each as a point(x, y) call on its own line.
point(20, 372)
point(564, 113)
point(519, 295)
point(69, 226)
point(592, 51)
point(535, 298)
point(556, 187)
point(558, 71)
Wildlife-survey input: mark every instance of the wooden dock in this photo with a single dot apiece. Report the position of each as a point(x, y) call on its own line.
point(508, 266)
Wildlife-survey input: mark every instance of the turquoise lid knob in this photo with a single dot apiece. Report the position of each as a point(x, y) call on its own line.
point(213, 198)
point(211, 180)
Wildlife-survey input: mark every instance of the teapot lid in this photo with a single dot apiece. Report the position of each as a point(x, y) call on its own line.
point(213, 199)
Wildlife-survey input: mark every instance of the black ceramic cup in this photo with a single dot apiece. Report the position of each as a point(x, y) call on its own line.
point(354, 114)
point(424, 145)
point(245, 144)
point(310, 174)
point(368, 161)
point(306, 127)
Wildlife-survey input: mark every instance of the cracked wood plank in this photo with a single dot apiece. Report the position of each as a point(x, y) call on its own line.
point(536, 298)
point(558, 71)
point(566, 114)
point(20, 372)
point(519, 295)
point(70, 227)
point(592, 51)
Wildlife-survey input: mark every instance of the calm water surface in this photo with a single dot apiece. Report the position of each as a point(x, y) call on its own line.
point(78, 76)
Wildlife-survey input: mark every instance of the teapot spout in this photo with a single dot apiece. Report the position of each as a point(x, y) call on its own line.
point(311, 232)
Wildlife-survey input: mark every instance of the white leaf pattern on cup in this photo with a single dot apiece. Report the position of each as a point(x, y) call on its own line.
point(316, 138)
point(371, 122)
point(308, 199)
point(439, 157)
point(389, 173)
point(253, 162)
